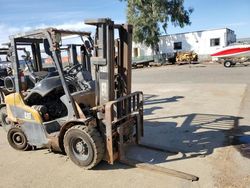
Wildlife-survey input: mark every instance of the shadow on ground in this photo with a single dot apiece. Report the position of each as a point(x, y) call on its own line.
point(189, 135)
point(149, 99)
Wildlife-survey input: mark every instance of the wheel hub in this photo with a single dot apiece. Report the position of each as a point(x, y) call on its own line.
point(18, 139)
point(81, 147)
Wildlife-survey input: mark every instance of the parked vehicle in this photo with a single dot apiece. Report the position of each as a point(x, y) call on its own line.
point(232, 54)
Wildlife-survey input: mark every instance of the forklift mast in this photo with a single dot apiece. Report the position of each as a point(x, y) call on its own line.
point(121, 108)
point(112, 72)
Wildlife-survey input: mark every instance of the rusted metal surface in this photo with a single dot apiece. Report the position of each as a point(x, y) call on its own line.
point(111, 118)
point(109, 138)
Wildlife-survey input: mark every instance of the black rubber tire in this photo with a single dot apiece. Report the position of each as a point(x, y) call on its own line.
point(3, 121)
point(21, 143)
point(228, 63)
point(93, 146)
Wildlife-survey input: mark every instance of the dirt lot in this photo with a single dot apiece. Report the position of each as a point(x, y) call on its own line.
point(190, 110)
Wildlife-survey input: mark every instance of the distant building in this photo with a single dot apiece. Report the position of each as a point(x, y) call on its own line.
point(203, 43)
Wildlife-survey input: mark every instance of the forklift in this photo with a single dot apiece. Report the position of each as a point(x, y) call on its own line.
point(5, 70)
point(5, 73)
point(64, 111)
point(87, 126)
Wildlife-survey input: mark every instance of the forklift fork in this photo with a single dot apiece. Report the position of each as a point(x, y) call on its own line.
point(147, 166)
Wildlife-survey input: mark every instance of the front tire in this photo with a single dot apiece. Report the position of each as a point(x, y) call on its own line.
point(84, 146)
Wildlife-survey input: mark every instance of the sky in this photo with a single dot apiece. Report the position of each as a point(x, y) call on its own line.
point(19, 16)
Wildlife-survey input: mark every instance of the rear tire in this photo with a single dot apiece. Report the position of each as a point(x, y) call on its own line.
point(17, 139)
point(228, 63)
point(84, 146)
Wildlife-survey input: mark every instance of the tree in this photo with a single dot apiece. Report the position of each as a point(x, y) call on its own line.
point(149, 16)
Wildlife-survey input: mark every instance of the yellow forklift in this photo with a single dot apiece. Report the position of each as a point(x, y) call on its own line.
point(64, 109)
point(58, 110)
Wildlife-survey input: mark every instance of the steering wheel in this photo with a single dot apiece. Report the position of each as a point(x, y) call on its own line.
point(74, 70)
